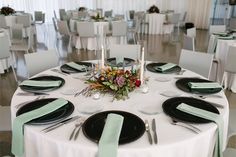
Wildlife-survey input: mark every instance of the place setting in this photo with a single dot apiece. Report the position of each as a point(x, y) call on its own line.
point(165, 68)
point(42, 84)
point(133, 127)
point(77, 67)
point(39, 112)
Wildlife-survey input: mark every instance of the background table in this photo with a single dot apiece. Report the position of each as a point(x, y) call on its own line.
point(155, 23)
point(174, 141)
point(3, 64)
point(221, 55)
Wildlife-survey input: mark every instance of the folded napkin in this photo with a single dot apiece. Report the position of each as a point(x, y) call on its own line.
point(119, 60)
point(218, 152)
point(204, 85)
point(108, 142)
point(76, 66)
point(18, 123)
point(165, 67)
point(35, 83)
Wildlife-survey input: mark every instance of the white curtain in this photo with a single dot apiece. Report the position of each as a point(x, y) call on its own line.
point(197, 10)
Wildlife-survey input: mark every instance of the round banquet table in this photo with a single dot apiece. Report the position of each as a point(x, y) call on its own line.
point(173, 141)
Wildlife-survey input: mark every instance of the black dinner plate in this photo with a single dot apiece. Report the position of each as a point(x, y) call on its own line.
point(52, 117)
point(43, 89)
point(67, 69)
point(132, 129)
point(151, 67)
point(127, 62)
point(169, 107)
point(183, 85)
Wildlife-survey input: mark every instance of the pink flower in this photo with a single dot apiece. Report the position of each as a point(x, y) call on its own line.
point(120, 81)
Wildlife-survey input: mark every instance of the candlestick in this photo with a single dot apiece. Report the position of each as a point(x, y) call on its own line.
point(102, 58)
point(142, 66)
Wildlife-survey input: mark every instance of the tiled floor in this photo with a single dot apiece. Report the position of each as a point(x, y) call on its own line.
point(159, 48)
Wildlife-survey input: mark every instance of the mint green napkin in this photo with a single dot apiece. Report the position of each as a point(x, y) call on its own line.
point(119, 60)
point(108, 143)
point(76, 66)
point(204, 85)
point(36, 83)
point(18, 123)
point(218, 152)
point(165, 67)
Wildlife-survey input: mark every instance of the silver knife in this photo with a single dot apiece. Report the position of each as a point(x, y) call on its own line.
point(154, 131)
point(54, 126)
point(148, 132)
point(31, 93)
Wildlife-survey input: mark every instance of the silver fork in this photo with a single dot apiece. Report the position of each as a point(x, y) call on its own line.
point(78, 125)
point(187, 126)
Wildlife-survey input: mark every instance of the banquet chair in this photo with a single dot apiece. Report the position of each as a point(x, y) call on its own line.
point(230, 66)
point(17, 33)
point(55, 27)
point(5, 53)
point(40, 61)
point(64, 30)
point(191, 32)
point(85, 31)
point(229, 152)
point(108, 13)
point(62, 14)
point(188, 43)
point(128, 51)
point(217, 29)
point(182, 19)
point(212, 44)
point(24, 45)
point(172, 22)
point(135, 30)
point(119, 29)
point(39, 17)
point(55, 14)
point(198, 62)
point(26, 21)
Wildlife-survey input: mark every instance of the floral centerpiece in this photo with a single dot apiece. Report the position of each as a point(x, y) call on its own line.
point(114, 81)
point(97, 17)
point(153, 9)
point(7, 11)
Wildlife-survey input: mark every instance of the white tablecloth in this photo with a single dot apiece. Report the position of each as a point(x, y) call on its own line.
point(221, 55)
point(3, 63)
point(173, 141)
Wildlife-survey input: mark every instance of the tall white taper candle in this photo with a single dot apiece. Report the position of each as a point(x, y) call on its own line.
point(142, 66)
point(102, 58)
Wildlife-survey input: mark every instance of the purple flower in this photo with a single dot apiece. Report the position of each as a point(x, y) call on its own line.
point(120, 81)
